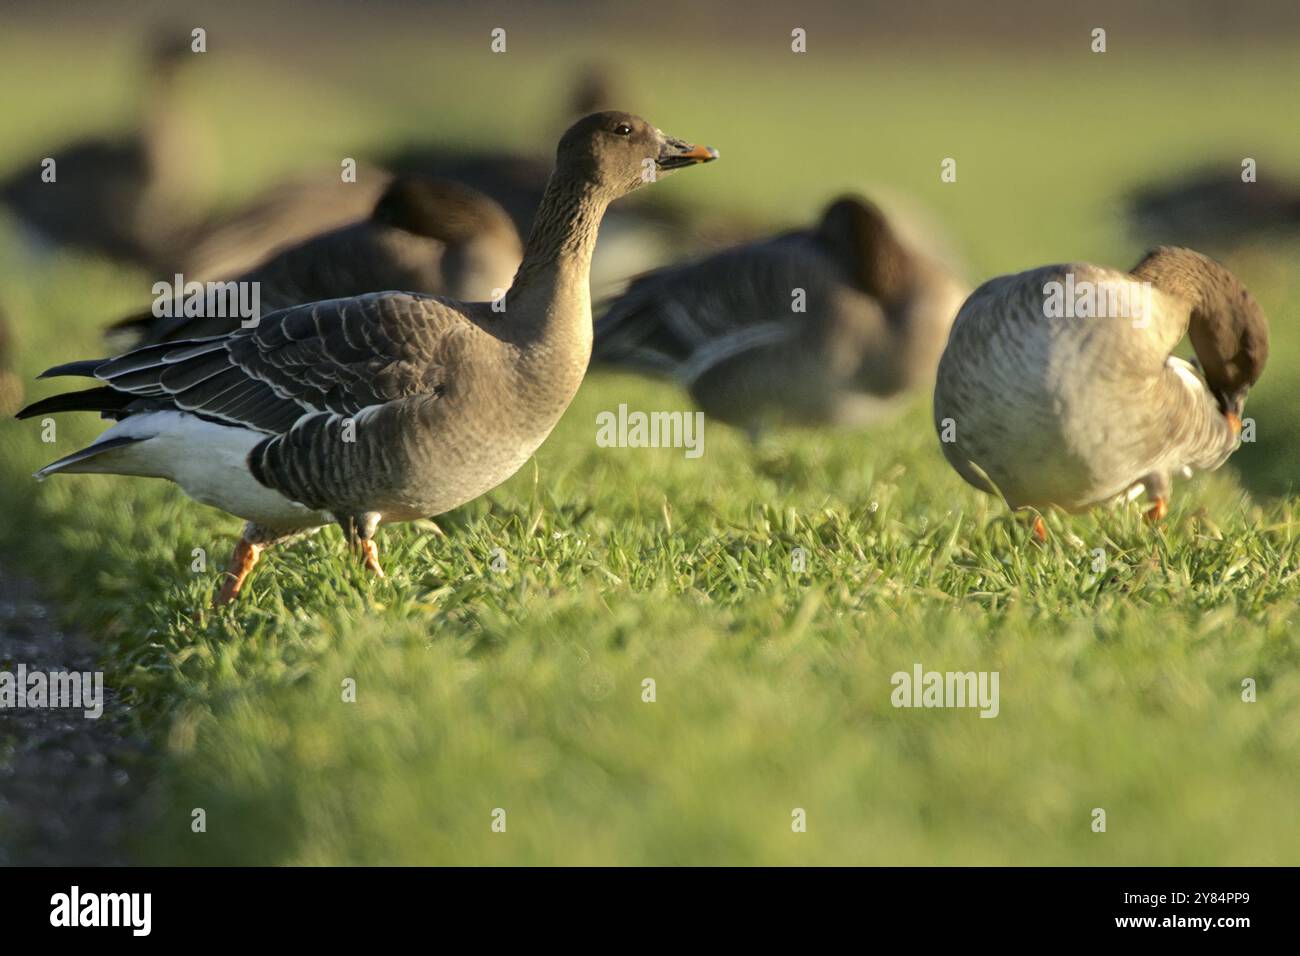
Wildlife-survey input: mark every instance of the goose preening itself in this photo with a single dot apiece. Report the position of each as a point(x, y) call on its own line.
point(825, 325)
point(1059, 387)
point(128, 196)
point(429, 236)
point(383, 407)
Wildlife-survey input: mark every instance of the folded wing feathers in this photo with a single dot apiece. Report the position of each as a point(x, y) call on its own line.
point(339, 356)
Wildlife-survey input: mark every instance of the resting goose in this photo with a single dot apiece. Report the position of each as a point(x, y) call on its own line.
point(1057, 407)
point(377, 408)
point(282, 215)
point(429, 236)
point(725, 327)
point(125, 197)
point(1214, 208)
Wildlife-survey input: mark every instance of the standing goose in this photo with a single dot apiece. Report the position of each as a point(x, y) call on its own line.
point(876, 316)
point(125, 197)
point(429, 236)
point(1066, 401)
point(383, 407)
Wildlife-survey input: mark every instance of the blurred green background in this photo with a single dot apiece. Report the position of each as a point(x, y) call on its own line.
point(522, 690)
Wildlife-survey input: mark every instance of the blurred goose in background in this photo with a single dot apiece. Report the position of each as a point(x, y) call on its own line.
point(875, 320)
point(429, 236)
point(378, 408)
point(282, 215)
point(11, 386)
point(124, 197)
point(1213, 208)
point(1079, 406)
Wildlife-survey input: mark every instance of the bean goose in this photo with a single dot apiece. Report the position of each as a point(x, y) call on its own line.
point(1058, 386)
point(728, 328)
point(124, 197)
point(429, 236)
point(378, 408)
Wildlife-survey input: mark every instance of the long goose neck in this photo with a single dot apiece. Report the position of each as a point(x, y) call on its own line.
point(556, 266)
point(1209, 289)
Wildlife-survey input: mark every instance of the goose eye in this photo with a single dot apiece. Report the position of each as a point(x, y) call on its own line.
point(622, 129)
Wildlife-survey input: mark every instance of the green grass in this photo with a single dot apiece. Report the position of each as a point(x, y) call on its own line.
point(522, 689)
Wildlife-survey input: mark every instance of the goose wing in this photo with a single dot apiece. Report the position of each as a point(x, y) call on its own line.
point(336, 357)
point(682, 320)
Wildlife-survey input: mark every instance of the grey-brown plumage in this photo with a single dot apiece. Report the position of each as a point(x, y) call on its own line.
point(126, 196)
point(815, 326)
point(382, 407)
point(430, 236)
point(1076, 405)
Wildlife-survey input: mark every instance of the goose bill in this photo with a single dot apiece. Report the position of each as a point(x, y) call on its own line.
point(674, 154)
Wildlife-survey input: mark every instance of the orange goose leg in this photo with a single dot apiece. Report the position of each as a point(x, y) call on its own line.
point(370, 556)
point(241, 563)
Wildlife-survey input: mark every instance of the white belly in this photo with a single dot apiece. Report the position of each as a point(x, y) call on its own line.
point(209, 462)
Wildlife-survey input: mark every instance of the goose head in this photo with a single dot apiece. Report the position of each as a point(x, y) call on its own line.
point(1230, 335)
point(618, 152)
point(1227, 327)
point(440, 209)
